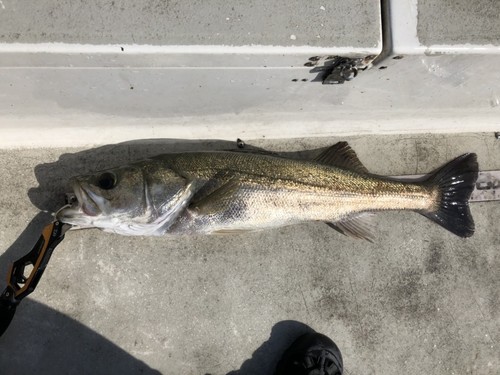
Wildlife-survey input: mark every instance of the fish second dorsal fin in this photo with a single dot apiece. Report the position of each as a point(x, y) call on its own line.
point(357, 226)
point(343, 156)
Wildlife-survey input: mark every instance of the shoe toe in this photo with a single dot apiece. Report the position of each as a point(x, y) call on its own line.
point(311, 354)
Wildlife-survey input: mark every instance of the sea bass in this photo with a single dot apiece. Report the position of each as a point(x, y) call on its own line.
point(231, 192)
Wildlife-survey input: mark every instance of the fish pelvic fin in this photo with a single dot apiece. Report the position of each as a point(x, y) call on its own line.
point(341, 155)
point(455, 182)
point(356, 226)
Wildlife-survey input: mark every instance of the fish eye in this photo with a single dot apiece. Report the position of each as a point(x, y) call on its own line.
point(106, 181)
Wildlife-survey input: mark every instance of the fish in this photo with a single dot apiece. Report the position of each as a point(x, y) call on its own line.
point(228, 192)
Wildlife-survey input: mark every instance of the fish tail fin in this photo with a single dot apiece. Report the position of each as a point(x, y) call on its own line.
point(455, 181)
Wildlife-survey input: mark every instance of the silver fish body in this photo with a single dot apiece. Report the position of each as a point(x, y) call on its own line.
point(229, 192)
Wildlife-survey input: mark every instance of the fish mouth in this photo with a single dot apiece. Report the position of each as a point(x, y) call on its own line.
point(82, 207)
point(84, 200)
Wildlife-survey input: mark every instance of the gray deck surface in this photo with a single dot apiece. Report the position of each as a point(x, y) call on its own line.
point(417, 301)
point(459, 22)
point(354, 23)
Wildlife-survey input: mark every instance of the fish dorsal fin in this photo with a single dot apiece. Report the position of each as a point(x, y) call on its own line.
point(357, 226)
point(219, 199)
point(257, 151)
point(225, 232)
point(343, 156)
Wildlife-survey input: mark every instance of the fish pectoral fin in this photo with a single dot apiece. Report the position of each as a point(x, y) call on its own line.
point(357, 226)
point(218, 200)
point(343, 156)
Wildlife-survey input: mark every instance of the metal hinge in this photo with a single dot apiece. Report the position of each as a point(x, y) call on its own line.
point(487, 187)
point(337, 69)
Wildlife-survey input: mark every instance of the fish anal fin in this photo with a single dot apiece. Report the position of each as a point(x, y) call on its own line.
point(356, 226)
point(218, 200)
point(343, 156)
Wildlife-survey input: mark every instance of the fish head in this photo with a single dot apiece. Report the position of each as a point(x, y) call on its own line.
point(138, 199)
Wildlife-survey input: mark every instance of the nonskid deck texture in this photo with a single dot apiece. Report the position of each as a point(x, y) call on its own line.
point(418, 300)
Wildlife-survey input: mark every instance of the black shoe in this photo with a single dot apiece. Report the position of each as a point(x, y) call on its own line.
point(311, 354)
